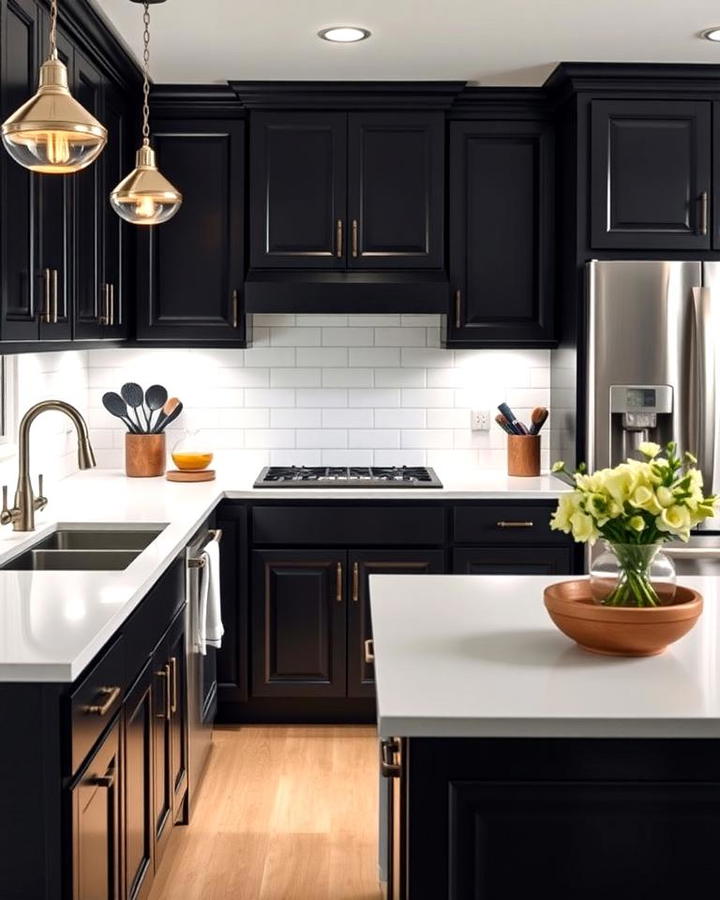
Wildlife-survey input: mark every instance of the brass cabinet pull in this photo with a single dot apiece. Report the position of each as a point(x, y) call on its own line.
point(103, 318)
point(235, 309)
point(502, 524)
point(703, 224)
point(356, 583)
point(355, 238)
point(46, 314)
point(339, 583)
point(369, 651)
point(458, 309)
point(104, 781)
point(173, 668)
point(101, 709)
point(339, 238)
point(389, 766)
point(54, 296)
point(164, 673)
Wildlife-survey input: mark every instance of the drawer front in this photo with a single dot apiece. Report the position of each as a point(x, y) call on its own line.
point(513, 525)
point(95, 701)
point(513, 561)
point(348, 525)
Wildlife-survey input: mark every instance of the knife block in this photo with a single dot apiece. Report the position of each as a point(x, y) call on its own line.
point(523, 455)
point(144, 455)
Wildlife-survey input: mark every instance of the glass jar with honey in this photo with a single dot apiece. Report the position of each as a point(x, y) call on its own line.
point(191, 452)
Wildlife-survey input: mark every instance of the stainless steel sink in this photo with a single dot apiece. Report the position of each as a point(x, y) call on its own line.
point(72, 560)
point(86, 539)
point(87, 548)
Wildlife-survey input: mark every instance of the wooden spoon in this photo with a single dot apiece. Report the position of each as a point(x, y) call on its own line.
point(169, 407)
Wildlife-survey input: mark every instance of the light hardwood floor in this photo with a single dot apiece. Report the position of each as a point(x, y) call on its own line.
point(285, 813)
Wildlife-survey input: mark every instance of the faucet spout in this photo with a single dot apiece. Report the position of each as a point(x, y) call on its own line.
point(22, 515)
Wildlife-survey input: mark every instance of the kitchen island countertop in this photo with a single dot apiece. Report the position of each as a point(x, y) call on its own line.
point(477, 656)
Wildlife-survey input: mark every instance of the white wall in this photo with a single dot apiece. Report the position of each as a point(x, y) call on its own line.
point(345, 390)
point(47, 376)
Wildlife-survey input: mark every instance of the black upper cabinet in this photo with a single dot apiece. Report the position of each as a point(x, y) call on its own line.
point(115, 250)
point(395, 190)
point(650, 174)
point(89, 203)
point(346, 190)
point(191, 268)
point(298, 189)
point(501, 233)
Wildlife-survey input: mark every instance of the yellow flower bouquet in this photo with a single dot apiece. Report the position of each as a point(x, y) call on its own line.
point(635, 507)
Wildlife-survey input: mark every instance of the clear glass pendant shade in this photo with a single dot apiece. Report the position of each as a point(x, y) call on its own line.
point(52, 133)
point(145, 196)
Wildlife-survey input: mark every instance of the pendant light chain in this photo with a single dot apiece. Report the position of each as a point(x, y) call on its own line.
point(146, 75)
point(53, 29)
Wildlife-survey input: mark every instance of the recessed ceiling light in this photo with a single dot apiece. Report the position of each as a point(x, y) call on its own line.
point(344, 34)
point(711, 34)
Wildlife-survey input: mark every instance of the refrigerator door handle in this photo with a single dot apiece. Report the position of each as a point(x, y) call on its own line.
point(703, 404)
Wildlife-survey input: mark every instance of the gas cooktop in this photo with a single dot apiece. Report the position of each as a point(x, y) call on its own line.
point(348, 476)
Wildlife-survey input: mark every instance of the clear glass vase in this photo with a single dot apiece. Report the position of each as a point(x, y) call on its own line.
point(633, 575)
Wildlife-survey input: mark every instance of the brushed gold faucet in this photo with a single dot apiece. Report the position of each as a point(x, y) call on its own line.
point(22, 514)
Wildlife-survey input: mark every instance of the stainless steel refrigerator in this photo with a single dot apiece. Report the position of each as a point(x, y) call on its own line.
point(652, 358)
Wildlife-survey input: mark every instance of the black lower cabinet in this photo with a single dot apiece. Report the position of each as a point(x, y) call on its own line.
point(513, 561)
point(299, 621)
point(138, 764)
point(96, 837)
point(363, 564)
point(505, 819)
point(162, 749)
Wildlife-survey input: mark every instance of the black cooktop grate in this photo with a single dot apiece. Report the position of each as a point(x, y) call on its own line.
point(348, 476)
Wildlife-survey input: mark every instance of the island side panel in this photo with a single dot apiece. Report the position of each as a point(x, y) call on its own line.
point(504, 819)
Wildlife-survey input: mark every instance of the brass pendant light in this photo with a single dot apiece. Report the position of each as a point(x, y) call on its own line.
point(52, 133)
point(145, 196)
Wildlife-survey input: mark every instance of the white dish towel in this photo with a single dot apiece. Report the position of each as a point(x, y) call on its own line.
point(210, 626)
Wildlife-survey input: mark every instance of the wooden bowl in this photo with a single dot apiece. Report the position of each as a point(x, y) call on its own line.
point(620, 630)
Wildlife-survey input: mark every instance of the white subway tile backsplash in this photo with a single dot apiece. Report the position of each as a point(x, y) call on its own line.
point(347, 418)
point(295, 377)
point(347, 377)
point(347, 337)
point(317, 390)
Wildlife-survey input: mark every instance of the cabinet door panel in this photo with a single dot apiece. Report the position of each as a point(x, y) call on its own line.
point(395, 190)
point(20, 59)
point(299, 617)
point(501, 233)
point(55, 264)
point(297, 189)
point(513, 561)
point(191, 268)
point(361, 673)
point(650, 166)
point(96, 824)
point(115, 165)
point(138, 768)
point(178, 715)
point(89, 202)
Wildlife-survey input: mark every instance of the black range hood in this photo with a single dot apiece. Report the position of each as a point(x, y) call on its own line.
point(291, 291)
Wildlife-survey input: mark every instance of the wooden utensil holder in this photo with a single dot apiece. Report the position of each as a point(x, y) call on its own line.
point(145, 455)
point(523, 455)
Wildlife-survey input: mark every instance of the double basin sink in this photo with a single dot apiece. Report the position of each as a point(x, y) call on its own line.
point(86, 548)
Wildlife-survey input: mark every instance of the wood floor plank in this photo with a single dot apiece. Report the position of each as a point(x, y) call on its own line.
point(284, 813)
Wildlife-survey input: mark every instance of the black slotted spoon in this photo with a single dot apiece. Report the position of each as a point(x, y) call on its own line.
point(133, 395)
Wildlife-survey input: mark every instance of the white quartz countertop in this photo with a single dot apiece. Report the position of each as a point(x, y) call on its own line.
point(52, 624)
point(477, 656)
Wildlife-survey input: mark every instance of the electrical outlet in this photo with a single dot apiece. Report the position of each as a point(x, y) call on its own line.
point(480, 420)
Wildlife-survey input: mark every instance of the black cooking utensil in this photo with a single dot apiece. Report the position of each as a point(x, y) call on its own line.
point(155, 397)
point(168, 407)
point(538, 418)
point(133, 395)
point(511, 417)
point(170, 417)
point(116, 406)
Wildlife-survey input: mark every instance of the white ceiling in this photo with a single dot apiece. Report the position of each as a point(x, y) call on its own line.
point(502, 42)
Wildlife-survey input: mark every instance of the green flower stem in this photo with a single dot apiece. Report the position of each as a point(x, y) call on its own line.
point(634, 587)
